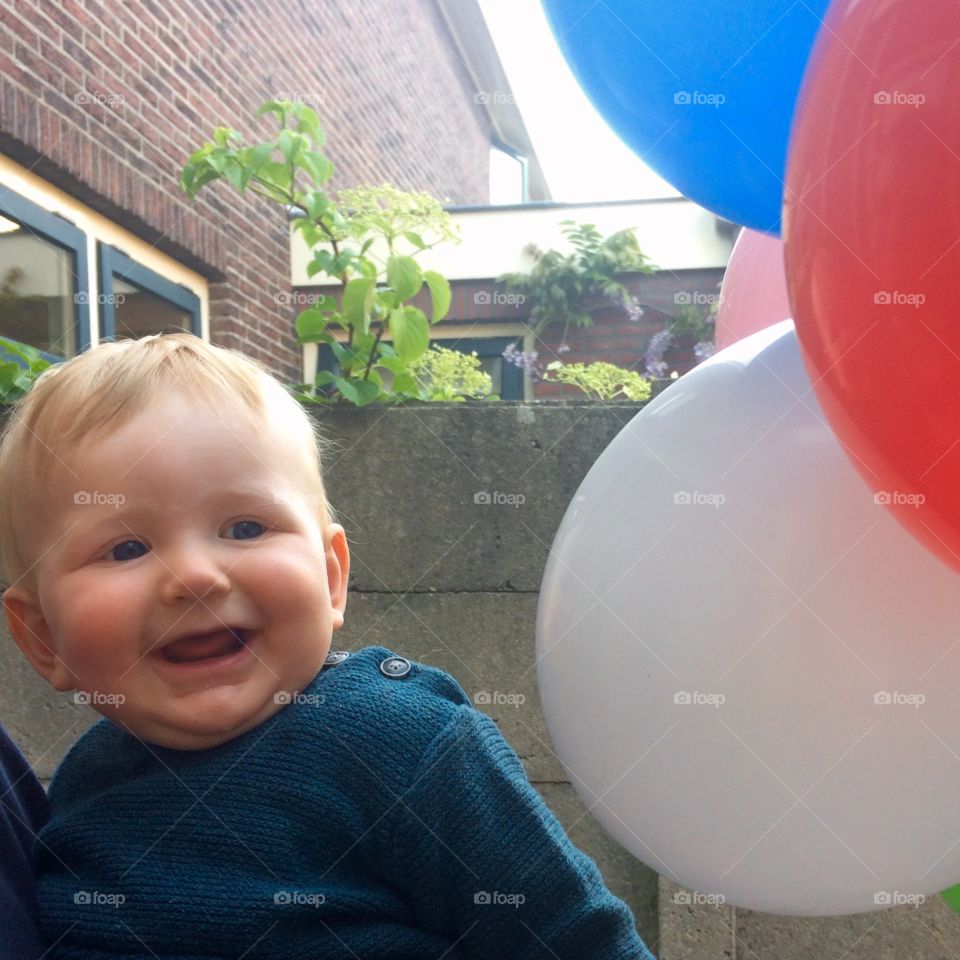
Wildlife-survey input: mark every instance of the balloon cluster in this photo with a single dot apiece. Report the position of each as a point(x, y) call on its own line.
point(761, 569)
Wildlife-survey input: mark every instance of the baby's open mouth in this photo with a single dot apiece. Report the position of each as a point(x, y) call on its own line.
point(207, 646)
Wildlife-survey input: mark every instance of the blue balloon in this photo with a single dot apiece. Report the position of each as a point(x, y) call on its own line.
point(701, 90)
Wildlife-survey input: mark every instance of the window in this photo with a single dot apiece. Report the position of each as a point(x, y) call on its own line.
point(507, 378)
point(508, 176)
point(43, 279)
point(136, 301)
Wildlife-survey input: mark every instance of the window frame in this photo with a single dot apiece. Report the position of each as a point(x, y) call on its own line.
point(112, 262)
point(57, 230)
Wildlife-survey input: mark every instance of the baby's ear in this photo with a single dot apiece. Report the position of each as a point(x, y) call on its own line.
point(32, 634)
point(338, 571)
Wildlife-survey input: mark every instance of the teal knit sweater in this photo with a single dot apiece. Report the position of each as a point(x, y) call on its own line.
point(373, 818)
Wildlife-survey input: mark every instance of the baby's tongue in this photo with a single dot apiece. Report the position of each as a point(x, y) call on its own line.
point(200, 648)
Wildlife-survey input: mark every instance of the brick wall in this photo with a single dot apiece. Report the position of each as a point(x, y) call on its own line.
point(106, 99)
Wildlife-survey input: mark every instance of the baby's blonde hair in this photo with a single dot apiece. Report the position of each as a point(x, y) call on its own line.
point(104, 387)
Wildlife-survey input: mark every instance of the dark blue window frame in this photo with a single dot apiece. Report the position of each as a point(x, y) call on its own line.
point(511, 376)
point(115, 263)
point(54, 229)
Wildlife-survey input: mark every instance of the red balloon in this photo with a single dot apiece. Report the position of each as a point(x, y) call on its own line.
point(754, 291)
point(872, 238)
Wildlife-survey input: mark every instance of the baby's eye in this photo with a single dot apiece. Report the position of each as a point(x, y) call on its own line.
point(246, 529)
point(122, 551)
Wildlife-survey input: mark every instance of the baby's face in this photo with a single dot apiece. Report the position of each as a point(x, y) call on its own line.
point(184, 522)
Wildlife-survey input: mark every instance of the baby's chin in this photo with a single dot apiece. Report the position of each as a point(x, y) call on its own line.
point(199, 730)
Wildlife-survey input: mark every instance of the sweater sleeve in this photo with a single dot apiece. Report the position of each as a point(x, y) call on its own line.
point(488, 866)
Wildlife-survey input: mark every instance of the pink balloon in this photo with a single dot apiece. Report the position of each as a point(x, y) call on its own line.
point(754, 290)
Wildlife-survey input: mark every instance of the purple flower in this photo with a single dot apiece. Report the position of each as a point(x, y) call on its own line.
point(704, 349)
point(634, 310)
point(526, 361)
point(653, 358)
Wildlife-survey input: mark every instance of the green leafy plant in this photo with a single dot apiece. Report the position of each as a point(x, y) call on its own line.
point(561, 286)
point(366, 240)
point(17, 376)
point(603, 380)
point(444, 374)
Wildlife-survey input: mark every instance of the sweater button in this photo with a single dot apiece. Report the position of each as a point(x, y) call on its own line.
point(335, 657)
point(395, 667)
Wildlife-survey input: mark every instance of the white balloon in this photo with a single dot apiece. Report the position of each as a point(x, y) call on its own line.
point(750, 672)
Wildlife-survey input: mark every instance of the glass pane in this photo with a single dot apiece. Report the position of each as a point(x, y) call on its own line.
point(139, 313)
point(36, 291)
point(494, 367)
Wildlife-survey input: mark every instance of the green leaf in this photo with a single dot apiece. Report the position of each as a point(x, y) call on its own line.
point(360, 392)
point(405, 385)
point(439, 293)
point(309, 123)
point(322, 262)
point(393, 364)
point(411, 332)
point(358, 301)
point(311, 323)
point(276, 107)
point(415, 239)
point(403, 274)
point(316, 164)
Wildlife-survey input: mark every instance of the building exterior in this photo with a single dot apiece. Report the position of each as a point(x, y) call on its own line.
point(688, 246)
point(102, 101)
